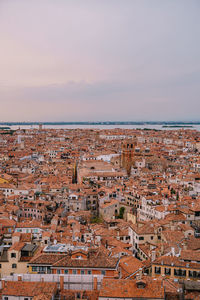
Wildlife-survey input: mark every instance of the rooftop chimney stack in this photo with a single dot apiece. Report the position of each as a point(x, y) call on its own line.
point(61, 283)
point(95, 283)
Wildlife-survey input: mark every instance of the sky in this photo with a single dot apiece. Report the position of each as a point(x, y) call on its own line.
point(99, 60)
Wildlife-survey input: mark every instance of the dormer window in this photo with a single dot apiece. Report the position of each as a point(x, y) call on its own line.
point(141, 284)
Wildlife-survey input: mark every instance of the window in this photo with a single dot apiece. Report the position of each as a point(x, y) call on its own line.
point(14, 266)
point(157, 270)
point(74, 272)
point(13, 254)
point(41, 270)
point(167, 271)
point(194, 274)
point(5, 298)
point(89, 272)
point(58, 271)
point(34, 269)
point(191, 274)
point(25, 298)
point(151, 237)
point(103, 272)
point(179, 272)
point(0, 266)
point(82, 272)
point(141, 238)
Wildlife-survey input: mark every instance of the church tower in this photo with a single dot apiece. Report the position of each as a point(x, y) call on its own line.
point(127, 156)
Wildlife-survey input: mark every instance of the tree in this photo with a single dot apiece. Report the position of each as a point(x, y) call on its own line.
point(96, 220)
point(121, 212)
point(173, 191)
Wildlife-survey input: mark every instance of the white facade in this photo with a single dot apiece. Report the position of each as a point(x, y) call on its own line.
point(149, 211)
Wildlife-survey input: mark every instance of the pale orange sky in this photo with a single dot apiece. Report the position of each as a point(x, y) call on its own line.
point(69, 60)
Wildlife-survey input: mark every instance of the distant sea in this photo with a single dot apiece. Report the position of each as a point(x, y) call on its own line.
point(105, 125)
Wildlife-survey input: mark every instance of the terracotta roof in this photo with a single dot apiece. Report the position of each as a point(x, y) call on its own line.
point(175, 261)
point(173, 236)
point(124, 288)
point(94, 260)
point(17, 246)
point(7, 223)
point(29, 289)
point(129, 265)
point(46, 259)
point(190, 255)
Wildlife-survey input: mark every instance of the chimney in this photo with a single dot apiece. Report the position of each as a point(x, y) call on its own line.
point(95, 283)
point(153, 255)
point(61, 283)
point(3, 283)
point(106, 245)
point(140, 273)
point(173, 251)
point(162, 249)
point(184, 246)
point(172, 227)
point(19, 278)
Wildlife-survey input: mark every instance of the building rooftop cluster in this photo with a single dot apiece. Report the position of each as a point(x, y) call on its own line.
point(99, 214)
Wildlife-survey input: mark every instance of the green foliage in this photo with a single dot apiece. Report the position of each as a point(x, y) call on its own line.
point(121, 212)
point(173, 191)
point(96, 220)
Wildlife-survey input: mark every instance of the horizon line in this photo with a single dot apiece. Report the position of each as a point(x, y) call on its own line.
point(98, 122)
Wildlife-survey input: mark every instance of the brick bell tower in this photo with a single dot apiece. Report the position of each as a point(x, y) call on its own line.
point(127, 155)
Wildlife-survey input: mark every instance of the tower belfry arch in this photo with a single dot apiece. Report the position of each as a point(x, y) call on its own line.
point(127, 155)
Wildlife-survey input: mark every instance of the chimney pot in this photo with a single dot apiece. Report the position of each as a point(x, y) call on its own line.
point(61, 283)
point(95, 283)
